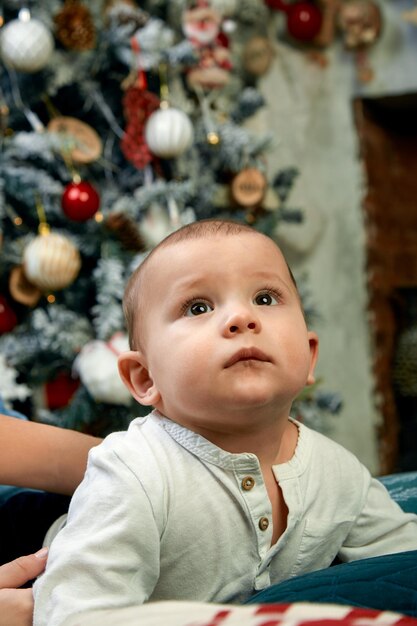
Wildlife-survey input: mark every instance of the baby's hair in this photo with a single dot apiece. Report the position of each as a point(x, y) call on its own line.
point(196, 230)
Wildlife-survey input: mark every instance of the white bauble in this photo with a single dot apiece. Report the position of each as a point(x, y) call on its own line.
point(96, 365)
point(51, 262)
point(26, 46)
point(169, 132)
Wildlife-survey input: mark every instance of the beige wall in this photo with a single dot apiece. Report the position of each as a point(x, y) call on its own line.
point(310, 113)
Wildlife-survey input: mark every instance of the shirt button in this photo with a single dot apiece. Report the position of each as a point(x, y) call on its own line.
point(248, 483)
point(263, 523)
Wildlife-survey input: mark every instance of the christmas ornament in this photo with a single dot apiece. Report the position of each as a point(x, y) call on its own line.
point(79, 140)
point(257, 55)
point(138, 105)
point(59, 391)
point(205, 100)
point(155, 225)
point(213, 68)
point(304, 19)
point(158, 222)
point(80, 201)
point(26, 45)
point(75, 27)
point(21, 289)
point(201, 24)
point(169, 132)
point(51, 262)
point(360, 23)
point(97, 368)
point(8, 319)
point(126, 230)
point(248, 187)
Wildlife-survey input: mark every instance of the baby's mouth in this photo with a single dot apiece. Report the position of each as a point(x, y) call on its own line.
point(247, 354)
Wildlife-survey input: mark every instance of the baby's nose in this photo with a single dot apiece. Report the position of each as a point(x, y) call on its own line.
point(234, 328)
point(241, 322)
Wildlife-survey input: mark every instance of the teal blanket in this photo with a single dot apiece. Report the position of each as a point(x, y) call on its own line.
point(385, 582)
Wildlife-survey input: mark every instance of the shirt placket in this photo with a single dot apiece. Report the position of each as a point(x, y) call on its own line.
point(253, 492)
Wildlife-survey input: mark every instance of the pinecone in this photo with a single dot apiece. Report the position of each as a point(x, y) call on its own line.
point(75, 27)
point(126, 230)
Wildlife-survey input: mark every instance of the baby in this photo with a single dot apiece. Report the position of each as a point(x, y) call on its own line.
point(217, 493)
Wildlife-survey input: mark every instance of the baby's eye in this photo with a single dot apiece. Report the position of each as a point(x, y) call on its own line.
point(265, 299)
point(197, 308)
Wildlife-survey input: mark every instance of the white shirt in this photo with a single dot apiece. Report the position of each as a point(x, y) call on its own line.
point(164, 514)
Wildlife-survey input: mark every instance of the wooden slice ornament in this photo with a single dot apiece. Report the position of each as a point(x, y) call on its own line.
point(21, 289)
point(257, 55)
point(248, 187)
point(80, 140)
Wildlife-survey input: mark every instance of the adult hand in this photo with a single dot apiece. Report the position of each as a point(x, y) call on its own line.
point(16, 605)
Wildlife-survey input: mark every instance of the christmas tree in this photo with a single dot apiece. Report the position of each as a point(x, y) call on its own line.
point(119, 124)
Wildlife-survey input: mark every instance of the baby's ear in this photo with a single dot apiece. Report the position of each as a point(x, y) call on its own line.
point(137, 378)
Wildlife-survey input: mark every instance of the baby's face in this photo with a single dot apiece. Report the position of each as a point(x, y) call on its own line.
point(224, 333)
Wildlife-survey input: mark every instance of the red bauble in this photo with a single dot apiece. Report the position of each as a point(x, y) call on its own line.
point(58, 392)
point(303, 21)
point(8, 319)
point(80, 201)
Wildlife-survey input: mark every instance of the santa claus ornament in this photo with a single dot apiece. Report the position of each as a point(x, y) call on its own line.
point(201, 25)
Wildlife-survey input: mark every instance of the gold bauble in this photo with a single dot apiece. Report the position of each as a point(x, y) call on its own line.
point(51, 262)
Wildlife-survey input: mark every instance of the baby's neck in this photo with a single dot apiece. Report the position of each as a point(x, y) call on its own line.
point(274, 443)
